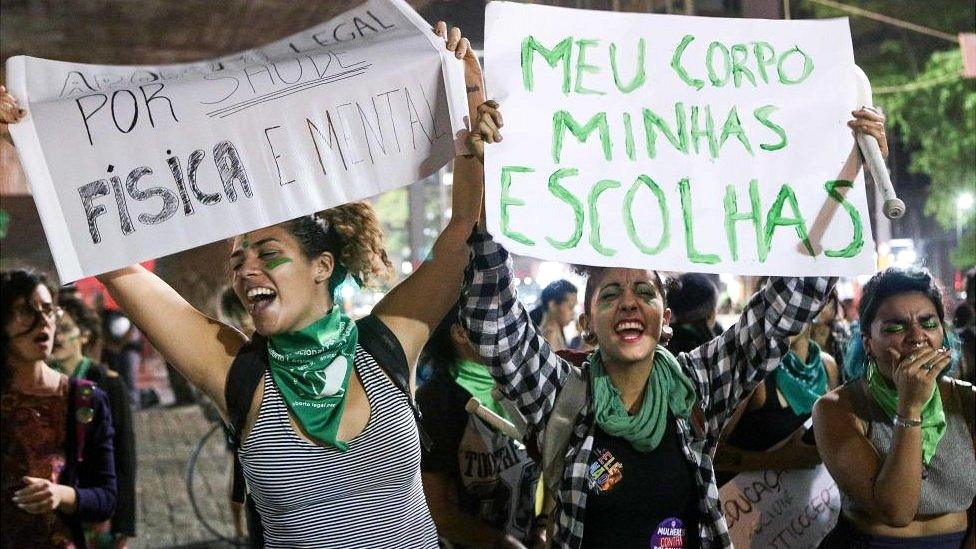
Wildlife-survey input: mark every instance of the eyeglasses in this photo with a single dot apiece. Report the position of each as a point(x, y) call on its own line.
point(27, 314)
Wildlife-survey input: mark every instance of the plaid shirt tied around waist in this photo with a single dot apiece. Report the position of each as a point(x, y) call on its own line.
point(724, 372)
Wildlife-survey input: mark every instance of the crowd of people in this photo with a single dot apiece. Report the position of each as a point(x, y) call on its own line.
point(569, 449)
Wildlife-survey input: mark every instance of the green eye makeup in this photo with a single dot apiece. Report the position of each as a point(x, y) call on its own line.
point(276, 262)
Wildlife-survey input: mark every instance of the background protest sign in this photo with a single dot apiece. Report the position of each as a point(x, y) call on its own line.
point(681, 143)
point(792, 509)
point(128, 163)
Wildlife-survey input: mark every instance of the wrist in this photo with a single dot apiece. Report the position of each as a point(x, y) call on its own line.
point(907, 422)
point(909, 411)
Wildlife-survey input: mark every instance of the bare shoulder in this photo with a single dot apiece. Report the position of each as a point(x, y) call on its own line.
point(835, 406)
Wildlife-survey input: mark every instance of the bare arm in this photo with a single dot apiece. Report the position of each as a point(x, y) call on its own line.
point(201, 348)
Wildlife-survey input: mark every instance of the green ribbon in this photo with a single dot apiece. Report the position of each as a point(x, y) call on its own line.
point(311, 368)
point(933, 417)
point(668, 388)
point(802, 383)
point(475, 379)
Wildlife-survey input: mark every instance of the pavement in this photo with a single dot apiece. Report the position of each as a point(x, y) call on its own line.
point(166, 437)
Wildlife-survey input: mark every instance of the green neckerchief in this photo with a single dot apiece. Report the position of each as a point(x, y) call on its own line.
point(475, 378)
point(802, 384)
point(933, 417)
point(80, 370)
point(311, 368)
point(667, 388)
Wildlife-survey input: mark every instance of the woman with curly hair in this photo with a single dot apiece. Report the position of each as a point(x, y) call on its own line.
point(329, 448)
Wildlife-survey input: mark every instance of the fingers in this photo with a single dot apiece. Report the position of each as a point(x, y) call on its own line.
point(39, 507)
point(10, 111)
point(440, 29)
point(453, 38)
point(870, 121)
point(490, 109)
point(488, 130)
point(934, 368)
point(463, 47)
point(869, 113)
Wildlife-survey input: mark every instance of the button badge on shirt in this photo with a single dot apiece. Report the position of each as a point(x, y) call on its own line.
point(605, 472)
point(669, 534)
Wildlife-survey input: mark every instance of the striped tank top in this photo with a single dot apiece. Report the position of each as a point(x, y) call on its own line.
point(314, 496)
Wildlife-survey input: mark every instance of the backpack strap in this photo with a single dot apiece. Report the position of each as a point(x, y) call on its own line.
point(242, 380)
point(378, 340)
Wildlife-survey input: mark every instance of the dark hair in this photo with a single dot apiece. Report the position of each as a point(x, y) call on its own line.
point(440, 352)
point(695, 298)
point(893, 281)
point(85, 317)
point(665, 282)
point(352, 234)
point(15, 284)
point(887, 283)
point(556, 292)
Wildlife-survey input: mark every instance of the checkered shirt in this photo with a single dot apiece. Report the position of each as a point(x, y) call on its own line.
point(724, 372)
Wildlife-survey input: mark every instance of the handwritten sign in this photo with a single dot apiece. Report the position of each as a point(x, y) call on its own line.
point(781, 509)
point(128, 163)
point(682, 143)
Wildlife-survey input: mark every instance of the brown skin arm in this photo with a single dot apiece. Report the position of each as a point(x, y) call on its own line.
point(889, 490)
point(452, 523)
point(201, 348)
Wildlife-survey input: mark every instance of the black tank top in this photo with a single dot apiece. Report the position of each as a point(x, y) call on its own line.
point(641, 500)
point(761, 429)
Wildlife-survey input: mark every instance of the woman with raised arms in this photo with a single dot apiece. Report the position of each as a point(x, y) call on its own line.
point(330, 449)
point(637, 469)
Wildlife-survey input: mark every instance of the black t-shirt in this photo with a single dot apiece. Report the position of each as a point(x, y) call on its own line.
point(641, 500)
point(495, 477)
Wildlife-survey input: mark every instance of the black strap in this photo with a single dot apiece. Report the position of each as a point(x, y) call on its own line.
point(252, 361)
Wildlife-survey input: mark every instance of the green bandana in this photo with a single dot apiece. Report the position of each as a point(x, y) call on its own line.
point(311, 368)
point(80, 370)
point(668, 388)
point(802, 384)
point(933, 418)
point(476, 380)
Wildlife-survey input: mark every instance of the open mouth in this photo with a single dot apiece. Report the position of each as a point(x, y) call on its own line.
point(629, 330)
point(42, 338)
point(258, 298)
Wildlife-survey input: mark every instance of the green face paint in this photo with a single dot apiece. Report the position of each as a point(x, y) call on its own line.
point(246, 241)
point(276, 262)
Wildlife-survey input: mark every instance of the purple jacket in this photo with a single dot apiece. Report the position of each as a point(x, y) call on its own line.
point(93, 476)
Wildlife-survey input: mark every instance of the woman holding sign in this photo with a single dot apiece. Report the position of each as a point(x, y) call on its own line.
point(329, 449)
point(636, 426)
point(898, 438)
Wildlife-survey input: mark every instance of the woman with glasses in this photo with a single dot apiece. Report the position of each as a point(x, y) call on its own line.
point(58, 468)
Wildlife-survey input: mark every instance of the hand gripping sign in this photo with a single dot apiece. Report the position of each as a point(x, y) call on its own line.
point(128, 163)
point(682, 143)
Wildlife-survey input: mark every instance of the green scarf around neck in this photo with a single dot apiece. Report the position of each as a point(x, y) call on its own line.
point(475, 379)
point(802, 383)
point(81, 370)
point(668, 388)
point(933, 417)
point(311, 368)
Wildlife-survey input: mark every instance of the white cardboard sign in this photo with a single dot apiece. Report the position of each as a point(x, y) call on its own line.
point(678, 143)
point(128, 163)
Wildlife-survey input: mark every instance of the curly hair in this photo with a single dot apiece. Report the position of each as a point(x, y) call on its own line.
point(85, 317)
point(352, 234)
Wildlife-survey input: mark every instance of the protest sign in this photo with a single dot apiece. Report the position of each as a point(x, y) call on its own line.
point(678, 143)
point(792, 509)
point(128, 163)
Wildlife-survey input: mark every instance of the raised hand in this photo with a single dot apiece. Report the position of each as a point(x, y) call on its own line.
point(872, 122)
point(486, 128)
point(10, 111)
point(915, 376)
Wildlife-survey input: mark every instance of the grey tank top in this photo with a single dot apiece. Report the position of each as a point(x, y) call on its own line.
point(950, 482)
